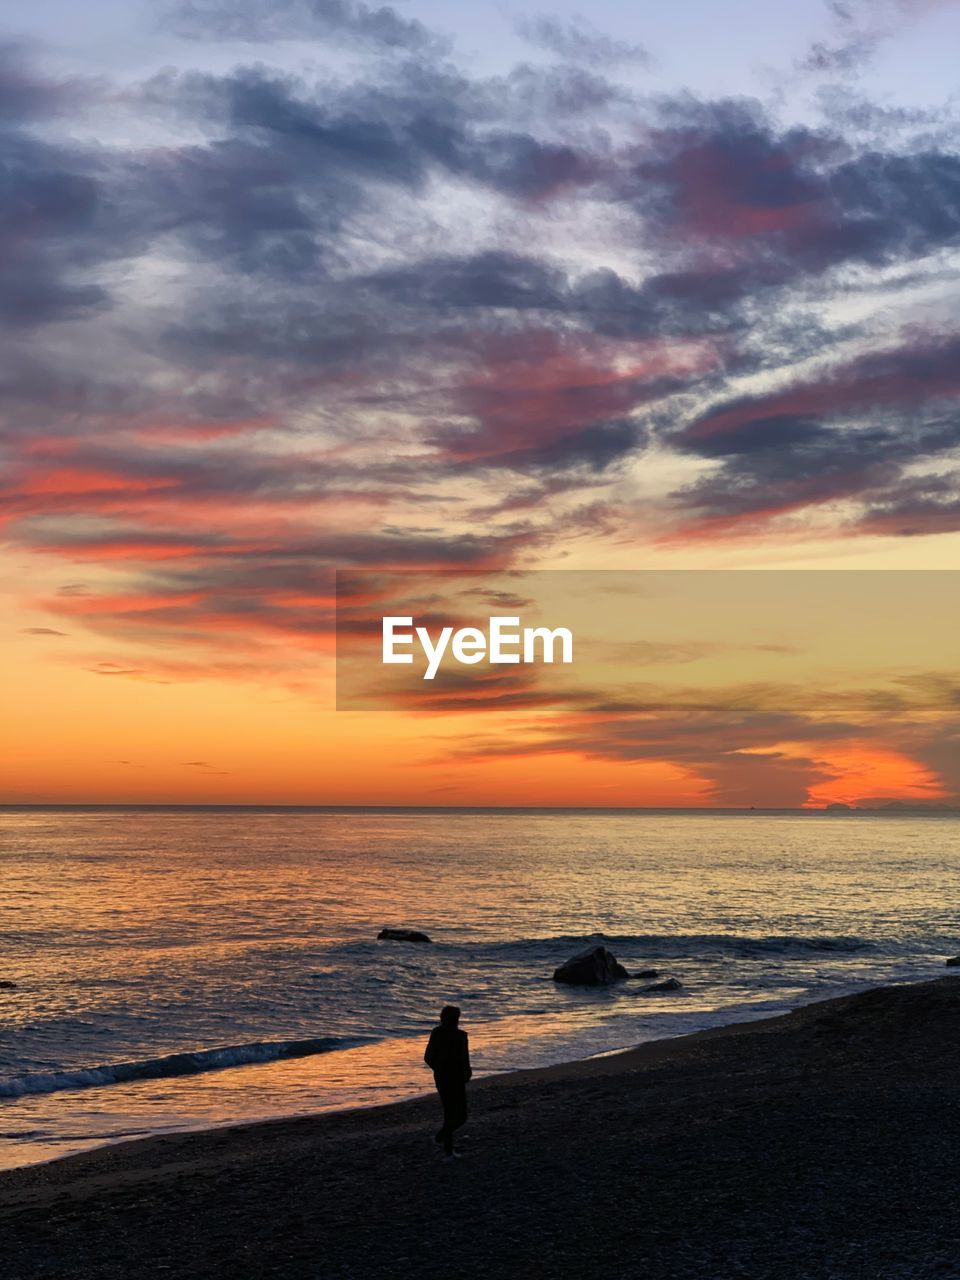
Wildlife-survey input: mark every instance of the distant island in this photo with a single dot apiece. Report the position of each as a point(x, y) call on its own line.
point(892, 806)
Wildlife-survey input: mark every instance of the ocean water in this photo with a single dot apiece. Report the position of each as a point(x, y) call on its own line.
point(182, 968)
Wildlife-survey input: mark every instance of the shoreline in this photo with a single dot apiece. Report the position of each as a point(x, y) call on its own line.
point(567, 1068)
point(564, 1067)
point(360, 1107)
point(606, 1062)
point(808, 1143)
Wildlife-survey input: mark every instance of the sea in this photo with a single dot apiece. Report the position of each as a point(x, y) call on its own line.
point(167, 969)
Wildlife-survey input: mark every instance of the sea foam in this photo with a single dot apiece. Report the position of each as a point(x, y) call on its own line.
point(173, 1064)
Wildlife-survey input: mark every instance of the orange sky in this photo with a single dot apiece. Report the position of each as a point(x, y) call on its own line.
point(688, 689)
point(273, 308)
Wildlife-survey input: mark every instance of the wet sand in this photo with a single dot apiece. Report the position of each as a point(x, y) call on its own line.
point(822, 1145)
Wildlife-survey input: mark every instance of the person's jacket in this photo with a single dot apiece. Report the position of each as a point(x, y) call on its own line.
point(448, 1053)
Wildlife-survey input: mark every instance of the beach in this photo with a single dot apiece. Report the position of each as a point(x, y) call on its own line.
point(166, 963)
point(480, 503)
point(817, 1144)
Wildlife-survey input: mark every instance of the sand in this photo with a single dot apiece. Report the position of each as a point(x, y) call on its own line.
point(820, 1144)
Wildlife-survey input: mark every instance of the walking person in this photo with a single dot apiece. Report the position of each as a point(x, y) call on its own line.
point(448, 1057)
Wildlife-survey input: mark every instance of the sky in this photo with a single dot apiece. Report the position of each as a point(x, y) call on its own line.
point(292, 286)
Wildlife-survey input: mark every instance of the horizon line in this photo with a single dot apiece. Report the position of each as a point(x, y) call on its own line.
point(893, 806)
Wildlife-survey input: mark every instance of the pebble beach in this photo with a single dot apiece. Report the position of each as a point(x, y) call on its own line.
point(820, 1144)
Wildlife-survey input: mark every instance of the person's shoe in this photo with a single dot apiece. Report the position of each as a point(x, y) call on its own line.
point(453, 1155)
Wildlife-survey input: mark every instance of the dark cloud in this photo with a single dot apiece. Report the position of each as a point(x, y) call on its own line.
point(27, 94)
point(904, 206)
point(297, 159)
point(63, 220)
point(578, 41)
point(498, 279)
point(236, 594)
point(791, 204)
point(671, 303)
point(914, 507)
point(325, 311)
point(860, 27)
point(850, 435)
point(501, 599)
point(858, 31)
point(735, 739)
point(248, 565)
point(48, 236)
point(844, 55)
point(595, 448)
point(350, 22)
point(558, 91)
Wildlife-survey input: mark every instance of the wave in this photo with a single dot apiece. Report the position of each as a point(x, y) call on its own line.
point(174, 1064)
point(674, 946)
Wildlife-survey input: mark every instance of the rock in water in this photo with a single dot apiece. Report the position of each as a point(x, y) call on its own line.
point(597, 967)
point(402, 935)
point(953, 962)
point(668, 984)
point(12, 986)
point(646, 973)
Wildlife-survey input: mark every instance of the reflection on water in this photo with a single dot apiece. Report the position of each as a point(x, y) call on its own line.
point(133, 935)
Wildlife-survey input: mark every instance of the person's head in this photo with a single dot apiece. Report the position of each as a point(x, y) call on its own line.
point(449, 1015)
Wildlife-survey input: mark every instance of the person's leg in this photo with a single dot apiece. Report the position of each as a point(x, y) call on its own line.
point(443, 1135)
point(449, 1120)
point(440, 1136)
point(453, 1096)
point(455, 1112)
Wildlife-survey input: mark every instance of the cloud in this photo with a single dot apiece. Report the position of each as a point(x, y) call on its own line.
point(751, 744)
point(579, 41)
point(680, 702)
point(913, 508)
point(850, 435)
point(544, 398)
point(380, 29)
point(858, 30)
point(860, 27)
point(412, 316)
point(789, 204)
point(26, 94)
point(46, 236)
point(41, 631)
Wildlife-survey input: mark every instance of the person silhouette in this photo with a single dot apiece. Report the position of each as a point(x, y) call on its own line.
point(448, 1057)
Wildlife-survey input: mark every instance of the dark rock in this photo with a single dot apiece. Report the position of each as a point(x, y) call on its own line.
point(597, 967)
point(402, 935)
point(12, 986)
point(668, 984)
point(953, 962)
point(646, 973)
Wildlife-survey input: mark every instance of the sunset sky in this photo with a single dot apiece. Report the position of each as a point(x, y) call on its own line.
point(292, 286)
